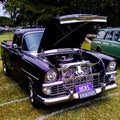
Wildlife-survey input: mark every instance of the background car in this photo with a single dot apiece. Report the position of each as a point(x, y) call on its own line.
point(107, 41)
point(1, 30)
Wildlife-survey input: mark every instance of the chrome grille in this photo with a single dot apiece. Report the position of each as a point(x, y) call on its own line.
point(70, 83)
point(77, 73)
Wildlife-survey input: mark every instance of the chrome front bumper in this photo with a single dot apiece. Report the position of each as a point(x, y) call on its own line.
point(72, 96)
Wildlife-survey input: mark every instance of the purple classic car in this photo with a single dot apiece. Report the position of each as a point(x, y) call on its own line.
point(52, 63)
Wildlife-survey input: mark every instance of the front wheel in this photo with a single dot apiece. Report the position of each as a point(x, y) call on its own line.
point(5, 68)
point(32, 96)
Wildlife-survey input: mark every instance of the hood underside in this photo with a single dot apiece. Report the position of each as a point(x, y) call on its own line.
point(69, 31)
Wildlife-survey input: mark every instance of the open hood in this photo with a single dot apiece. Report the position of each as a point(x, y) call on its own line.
point(69, 31)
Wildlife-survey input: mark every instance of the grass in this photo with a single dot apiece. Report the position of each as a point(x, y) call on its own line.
point(107, 109)
point(102, 110)
point(5, 36)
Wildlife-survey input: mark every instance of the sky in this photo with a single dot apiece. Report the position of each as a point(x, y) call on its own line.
point(2, 11)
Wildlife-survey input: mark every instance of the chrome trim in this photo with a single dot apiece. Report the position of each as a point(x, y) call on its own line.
point(52, 84)
point(29, 74)
point(72, 96)
point(112, 72)
point(60, 50)
point(74, 64)
point(108, 87)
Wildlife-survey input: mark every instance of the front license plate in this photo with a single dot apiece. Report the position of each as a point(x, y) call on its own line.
point(87, 94)
point(84, 87)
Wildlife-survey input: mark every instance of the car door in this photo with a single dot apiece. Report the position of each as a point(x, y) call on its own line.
point(115, 44)
point(97, 42)
point(16, 55)
point(111, 45)
point(106, 44)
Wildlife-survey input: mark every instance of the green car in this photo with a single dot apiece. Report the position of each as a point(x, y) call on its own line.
point(107, 41)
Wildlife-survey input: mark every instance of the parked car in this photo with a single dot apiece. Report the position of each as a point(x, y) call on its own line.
point(53, 64)
point(2, 29)
point(107, 41)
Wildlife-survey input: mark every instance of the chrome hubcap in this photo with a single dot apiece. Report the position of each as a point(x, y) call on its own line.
point(4, 68)
point(31, 92)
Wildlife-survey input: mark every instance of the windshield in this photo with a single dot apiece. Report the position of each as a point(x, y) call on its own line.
point(31, 41)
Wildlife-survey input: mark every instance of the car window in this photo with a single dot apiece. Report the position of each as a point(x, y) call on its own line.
point(101, 34)
point(109, 35)
point(117, 36)
point(31, 41)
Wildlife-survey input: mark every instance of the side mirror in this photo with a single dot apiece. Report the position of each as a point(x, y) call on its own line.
point(15, 46)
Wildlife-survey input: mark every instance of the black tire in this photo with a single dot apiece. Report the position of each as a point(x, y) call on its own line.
point(32, 96)
point(6, 71)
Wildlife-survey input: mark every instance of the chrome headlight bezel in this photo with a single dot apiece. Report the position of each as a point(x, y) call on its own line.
point(111, 66)
point(51, 76)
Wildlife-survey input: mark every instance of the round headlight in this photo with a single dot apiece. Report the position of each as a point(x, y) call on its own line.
point(50, 76)
point(47, 90)
point(111, 66)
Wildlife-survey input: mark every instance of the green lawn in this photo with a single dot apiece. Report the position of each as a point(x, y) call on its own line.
point(10, 91)
point(5, 36)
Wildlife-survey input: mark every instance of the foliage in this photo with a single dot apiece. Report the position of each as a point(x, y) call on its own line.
point(5, 21)
point(24, 12)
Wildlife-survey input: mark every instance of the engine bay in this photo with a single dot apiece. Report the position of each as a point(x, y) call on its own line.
point(74, 63)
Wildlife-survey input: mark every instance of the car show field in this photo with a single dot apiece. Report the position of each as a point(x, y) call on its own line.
point(15, 104)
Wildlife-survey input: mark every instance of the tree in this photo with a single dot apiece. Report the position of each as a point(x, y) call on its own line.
point(29, 12)
point(24, 12)
point(5, 21)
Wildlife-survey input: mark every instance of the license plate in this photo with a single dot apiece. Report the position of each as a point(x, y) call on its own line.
point(87, 94)
point(84, 87)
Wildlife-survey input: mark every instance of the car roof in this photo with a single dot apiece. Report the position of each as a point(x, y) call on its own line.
point(26, 30)
point(110, 29)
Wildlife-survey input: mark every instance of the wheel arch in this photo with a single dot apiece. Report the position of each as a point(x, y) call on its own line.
point(98, 49)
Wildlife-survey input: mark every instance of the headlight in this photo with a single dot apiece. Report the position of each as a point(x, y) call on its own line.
point(50, 76)
point(47, 90)
point(111, 66)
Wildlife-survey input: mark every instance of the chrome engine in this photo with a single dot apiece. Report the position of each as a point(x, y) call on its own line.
point(71, 70)
point(75, 73)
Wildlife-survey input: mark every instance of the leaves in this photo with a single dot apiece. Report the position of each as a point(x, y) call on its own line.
point(23, 12)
